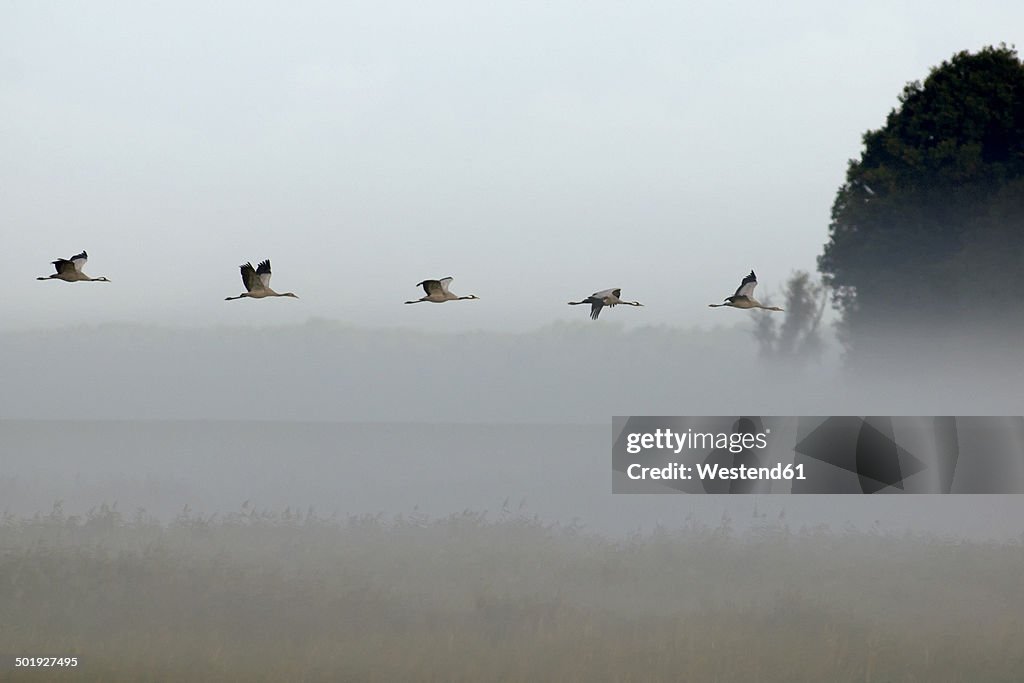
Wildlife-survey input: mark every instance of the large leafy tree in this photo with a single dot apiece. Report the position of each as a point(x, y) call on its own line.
point(930, 221)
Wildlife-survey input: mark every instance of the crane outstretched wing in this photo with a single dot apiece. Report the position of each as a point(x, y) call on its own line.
point(746, 287)
point(249, 278)
point(263, 271)
point(431, 286)
point(63, 265)
point(79, 260)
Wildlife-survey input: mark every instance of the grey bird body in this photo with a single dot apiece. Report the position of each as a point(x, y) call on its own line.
point(606, 297)
point(744, 296)
point(437, 292)
point(257, 282)
point(70, 270)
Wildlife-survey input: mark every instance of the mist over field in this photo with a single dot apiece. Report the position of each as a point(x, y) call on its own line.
point(388, 421)
point(564, 372)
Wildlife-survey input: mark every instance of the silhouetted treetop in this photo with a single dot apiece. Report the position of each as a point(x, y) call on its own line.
point(929, 220)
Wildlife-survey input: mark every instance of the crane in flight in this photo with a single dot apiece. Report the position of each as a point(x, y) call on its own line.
point(606, 297)
point(257, 282)
point(70, 270)
point(744, 296)
point(437, 292)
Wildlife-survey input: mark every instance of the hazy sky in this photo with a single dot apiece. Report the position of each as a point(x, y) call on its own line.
point(536, 152)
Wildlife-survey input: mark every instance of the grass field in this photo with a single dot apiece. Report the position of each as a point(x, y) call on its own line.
point(292, 597)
